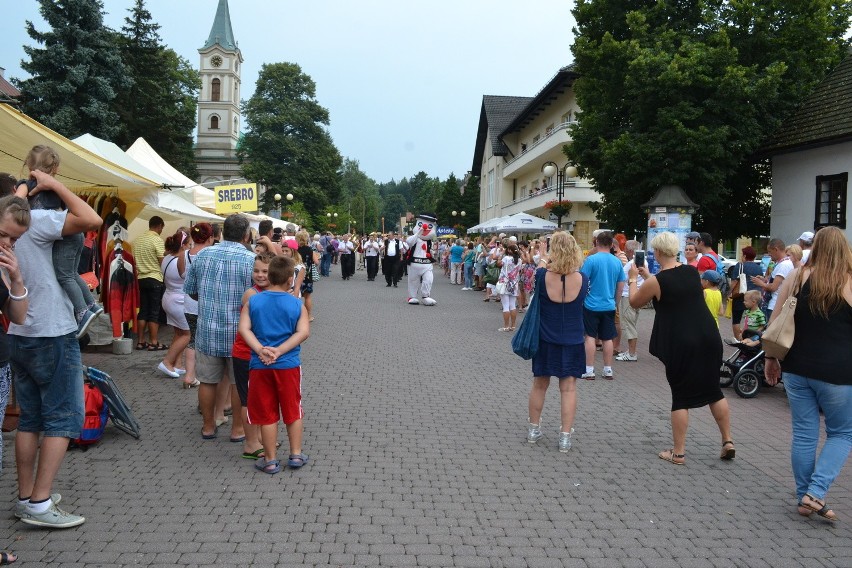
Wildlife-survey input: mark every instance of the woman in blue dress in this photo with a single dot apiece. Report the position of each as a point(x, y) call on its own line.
point(561, 353)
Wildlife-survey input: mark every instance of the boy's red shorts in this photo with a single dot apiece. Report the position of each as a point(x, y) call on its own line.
point(271, 389)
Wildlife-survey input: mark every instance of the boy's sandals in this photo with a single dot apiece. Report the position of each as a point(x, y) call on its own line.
point(670, 456)
point(728, 450)
point(817, 506)
point(296, 461)
point(268, 466)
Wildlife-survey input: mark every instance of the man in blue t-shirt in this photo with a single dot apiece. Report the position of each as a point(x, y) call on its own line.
point(606, 281)
point(456, 263)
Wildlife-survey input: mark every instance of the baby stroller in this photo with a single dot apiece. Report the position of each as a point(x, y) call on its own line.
point(744, 368)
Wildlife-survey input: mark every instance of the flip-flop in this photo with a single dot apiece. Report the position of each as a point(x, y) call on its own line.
point(209, 436)
point(257, 454)
point(237, 440)
point(271, 467)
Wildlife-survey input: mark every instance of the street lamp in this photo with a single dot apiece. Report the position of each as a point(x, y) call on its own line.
point(277, 198)
point(455, 213)
point(549, 169)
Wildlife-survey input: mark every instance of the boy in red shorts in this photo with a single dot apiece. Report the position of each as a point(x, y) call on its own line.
point(274, 325)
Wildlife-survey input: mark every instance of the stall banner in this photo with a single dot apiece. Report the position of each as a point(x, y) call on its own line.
point(441, 231)
point(239, 198)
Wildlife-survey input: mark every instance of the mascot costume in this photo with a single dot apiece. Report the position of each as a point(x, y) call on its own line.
point(419, 258)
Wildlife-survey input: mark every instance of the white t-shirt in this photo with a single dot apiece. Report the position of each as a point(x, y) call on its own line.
point(50, 312)
point(782, 269)
point(625, 292)
point(371, 248)
point(805, 254)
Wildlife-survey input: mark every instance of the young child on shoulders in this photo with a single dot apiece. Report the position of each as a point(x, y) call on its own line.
point(710, 281)
point(67, 251)
point(274, 325)
point(754, 320)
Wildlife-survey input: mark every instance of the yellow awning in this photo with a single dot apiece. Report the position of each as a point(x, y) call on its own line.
point(80, 170)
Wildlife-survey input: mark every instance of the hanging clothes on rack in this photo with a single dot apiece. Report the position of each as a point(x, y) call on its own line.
point(120, 290)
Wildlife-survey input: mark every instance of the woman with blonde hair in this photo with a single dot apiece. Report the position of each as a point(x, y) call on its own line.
point(561, 352)
point(794, 252)
point(691, 359)
point(816, 371)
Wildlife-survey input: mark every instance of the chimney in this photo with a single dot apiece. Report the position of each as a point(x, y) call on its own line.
point(2, 73)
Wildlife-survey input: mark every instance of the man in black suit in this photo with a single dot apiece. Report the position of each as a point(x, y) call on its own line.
point(391, 257)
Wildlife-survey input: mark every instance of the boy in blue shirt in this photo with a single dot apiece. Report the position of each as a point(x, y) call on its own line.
point(274, 325)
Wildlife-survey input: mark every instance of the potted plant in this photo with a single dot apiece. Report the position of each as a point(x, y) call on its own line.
point(560, 208)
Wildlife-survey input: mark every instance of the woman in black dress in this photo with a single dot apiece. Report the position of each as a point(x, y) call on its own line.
point(685, 338)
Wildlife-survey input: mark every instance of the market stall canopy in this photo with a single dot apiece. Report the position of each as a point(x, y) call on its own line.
point(521, 223)
point(142, 152)
point(81, 170)
point(164, 203)
point(485, 226)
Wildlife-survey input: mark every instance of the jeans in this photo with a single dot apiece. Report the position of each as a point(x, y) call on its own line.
point(468, 275)
point(814, 474)
point(325, 264)
point(48, 377)
point(66, 259)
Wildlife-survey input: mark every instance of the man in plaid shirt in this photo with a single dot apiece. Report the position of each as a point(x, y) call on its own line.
point(217, 278)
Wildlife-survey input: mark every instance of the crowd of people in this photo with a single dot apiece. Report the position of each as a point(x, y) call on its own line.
point(240, 305)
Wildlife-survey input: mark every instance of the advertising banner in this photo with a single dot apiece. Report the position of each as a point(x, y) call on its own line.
point(239, 198)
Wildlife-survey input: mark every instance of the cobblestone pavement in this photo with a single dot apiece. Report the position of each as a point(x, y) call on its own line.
point(415, 424)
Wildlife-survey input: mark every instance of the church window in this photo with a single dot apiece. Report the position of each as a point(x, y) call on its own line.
point(214, 122)
point(235, 125)
point(216, 90)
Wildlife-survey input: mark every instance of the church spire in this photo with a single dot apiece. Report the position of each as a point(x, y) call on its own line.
point(221, 32)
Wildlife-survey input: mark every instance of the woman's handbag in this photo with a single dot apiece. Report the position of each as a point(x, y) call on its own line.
point(778, 337)
point(501, 288)
point(525, 341)
point(315, 273)
point(492, 274)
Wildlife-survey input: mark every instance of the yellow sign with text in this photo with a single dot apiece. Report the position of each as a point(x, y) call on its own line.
point(241, 198)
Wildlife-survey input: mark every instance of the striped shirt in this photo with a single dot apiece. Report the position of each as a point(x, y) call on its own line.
point(148, 250)
point(219, 275)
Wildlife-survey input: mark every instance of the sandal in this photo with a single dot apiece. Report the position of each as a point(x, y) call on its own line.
point(297, 460)
point(728, 450)
point(193, 384)
point(158, 347)
point(818, 507)
point(803, 511)
point(141, 346)
point(7, 558)
point(670, 456)
point(271, 467)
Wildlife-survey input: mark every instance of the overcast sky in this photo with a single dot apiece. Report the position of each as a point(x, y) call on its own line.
point(403, 81)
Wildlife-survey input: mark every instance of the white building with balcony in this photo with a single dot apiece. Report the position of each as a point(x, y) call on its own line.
point(517, 136)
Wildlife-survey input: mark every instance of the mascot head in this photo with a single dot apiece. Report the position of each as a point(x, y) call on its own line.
point(428, 225)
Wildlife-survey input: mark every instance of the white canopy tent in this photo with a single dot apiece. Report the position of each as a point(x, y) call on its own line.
point(201, 196)
point(164, 203)
point(520, 223)
point(485, 226)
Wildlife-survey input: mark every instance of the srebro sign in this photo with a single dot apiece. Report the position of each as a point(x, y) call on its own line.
point(240, 198)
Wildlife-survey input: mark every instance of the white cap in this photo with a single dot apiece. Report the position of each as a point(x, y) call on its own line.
point(513, 238)
point(502, 235)
point(807, 236)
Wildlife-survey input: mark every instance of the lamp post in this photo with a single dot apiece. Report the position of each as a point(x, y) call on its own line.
point(277, 198)
point(454, 213)
point(328, 221)
point(549, 169)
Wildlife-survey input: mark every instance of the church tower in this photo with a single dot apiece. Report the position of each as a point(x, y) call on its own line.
point(219, 102)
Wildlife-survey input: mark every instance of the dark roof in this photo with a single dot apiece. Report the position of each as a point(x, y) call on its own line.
point(670, 196)
point(824, 117)
point(221, 32)
point(8, 89)
point(557, 86)
point(497, 112)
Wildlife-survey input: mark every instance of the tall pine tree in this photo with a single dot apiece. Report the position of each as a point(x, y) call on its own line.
point(161, 103)
point(76, 73)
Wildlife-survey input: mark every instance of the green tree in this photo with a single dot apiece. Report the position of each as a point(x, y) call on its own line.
point(449, 200)
point(673, 92)
point(161, 103)
point(286, 144)
point(394, 208)
point(76, 74)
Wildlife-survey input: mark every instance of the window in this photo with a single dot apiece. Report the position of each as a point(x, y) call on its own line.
point(216, 90)
point(235, 125)
point(490, 188)
point(548, 130)
point(566, 117)
point(214, 122)
point(831, 201)
point(523, 191)
point(536, 138)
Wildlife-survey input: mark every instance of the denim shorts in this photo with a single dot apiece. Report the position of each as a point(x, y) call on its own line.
point(48, 379)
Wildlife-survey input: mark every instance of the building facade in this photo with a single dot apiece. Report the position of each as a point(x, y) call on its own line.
point(219, 103)
point(517, 136)
point(811, 160)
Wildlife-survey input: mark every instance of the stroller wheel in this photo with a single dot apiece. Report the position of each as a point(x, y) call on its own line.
point(747, 383)
point(726, 377)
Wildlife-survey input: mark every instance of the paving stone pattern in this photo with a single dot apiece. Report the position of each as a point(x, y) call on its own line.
point(415, 422)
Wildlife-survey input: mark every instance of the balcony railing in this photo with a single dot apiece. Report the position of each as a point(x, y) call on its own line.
point(557, 128)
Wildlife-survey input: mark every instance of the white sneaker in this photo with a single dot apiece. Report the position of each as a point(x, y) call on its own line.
point(21, 509)
point(54, 517)
point(626, 357)
point(588, 376)
point(534, 433)
point(565, 441)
